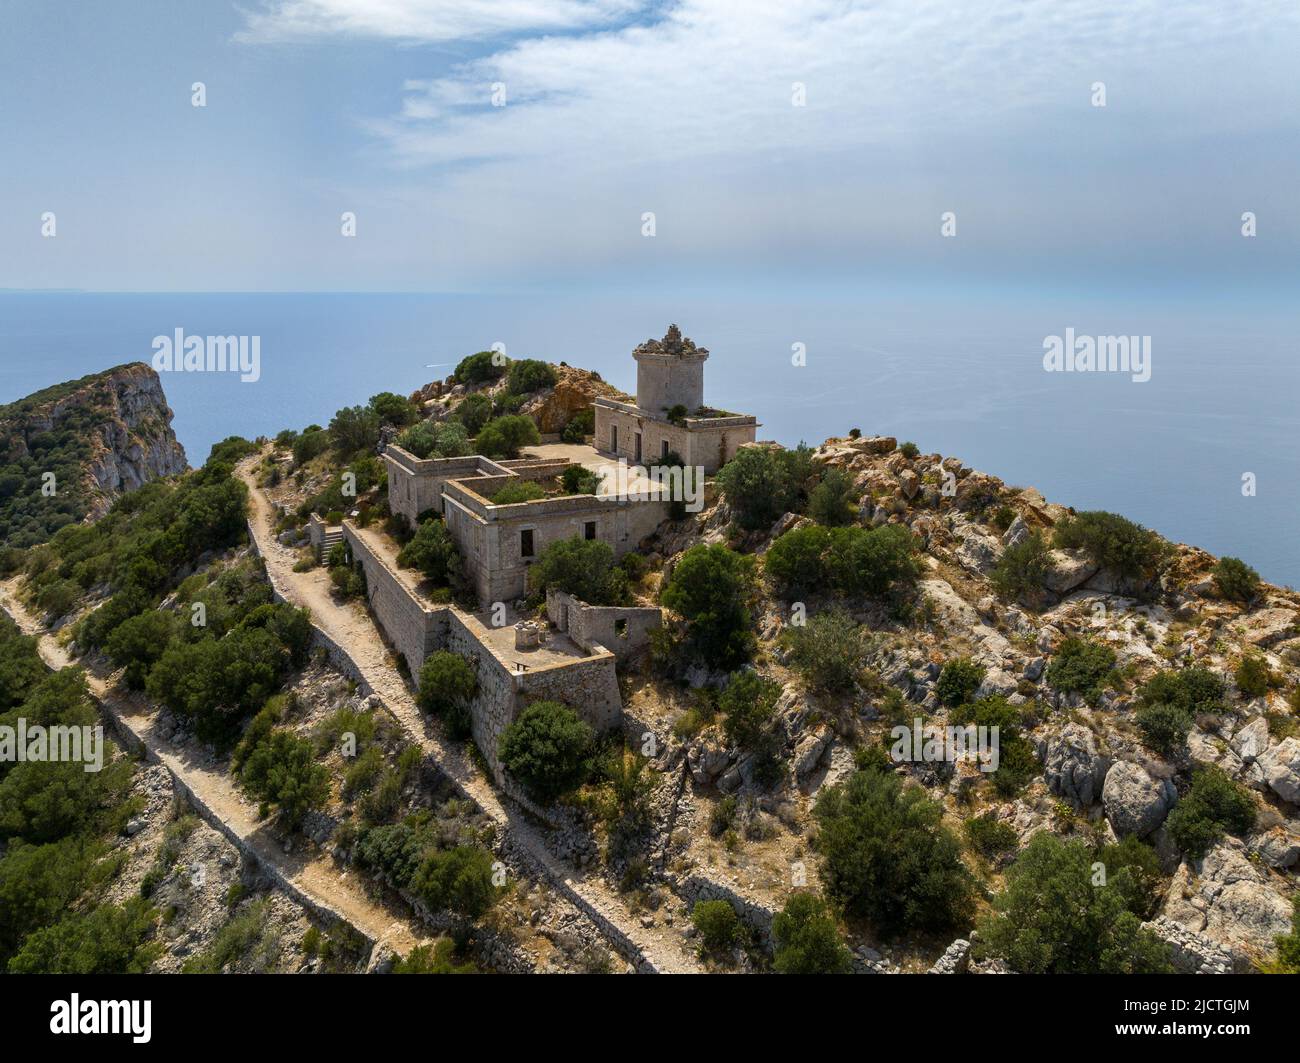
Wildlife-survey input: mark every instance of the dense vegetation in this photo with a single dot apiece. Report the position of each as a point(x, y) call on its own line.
point(853, 562)
point(886, 857)
point(1113, 542)
point(56, 822)
point(760, 484)
point(1061, 913)
point(548, 748)
point(28, 515)
point(584, 568)
point(713, 589)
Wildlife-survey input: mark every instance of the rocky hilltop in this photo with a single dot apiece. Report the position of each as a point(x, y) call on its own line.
point(101, 436)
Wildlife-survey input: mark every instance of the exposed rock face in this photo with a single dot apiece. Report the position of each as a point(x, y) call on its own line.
point(130, 438)
point(1190, 951)
point(1227, 898)
point(1281, 767)
point(574, 390)
point(1136, 803)
point(1072, 767)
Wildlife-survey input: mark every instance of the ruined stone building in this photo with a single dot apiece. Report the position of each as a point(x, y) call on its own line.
point(670, 416)
point(498, 543)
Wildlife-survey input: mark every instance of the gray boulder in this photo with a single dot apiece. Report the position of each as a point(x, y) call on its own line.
point(1281, 767)
point(1135, 803)
point(1070, 569)
point(1072, 767)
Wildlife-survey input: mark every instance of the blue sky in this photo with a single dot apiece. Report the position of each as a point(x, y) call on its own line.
point(614, 108)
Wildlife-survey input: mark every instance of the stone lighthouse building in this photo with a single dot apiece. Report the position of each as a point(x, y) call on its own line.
point(670, 417)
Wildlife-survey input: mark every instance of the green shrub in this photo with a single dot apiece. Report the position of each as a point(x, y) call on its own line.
point(1195, 690)
point(1288, 946)
point(1235, 580)
point(829, 651)
point(439, 958)
point(806, 940)
point(394, 409)
point(473, 412)
point(548, 749)
point(1017, 764)
point(580, 426)
point(110, 939)
point(502, 437)
point(354, 428)
point(479, 368)
point(850, 561)
point(1113, 542)
point(713, 589)
point(518, 491)
point(1253, 676)
point(447, 686)
point(436, 439)
point(584, 568)
point(832, 502)
point(747, 704)
point(138, 642)
point(579, 481)
point(717, 924)
point(282, 770)
point(457, 880)
point(528, 375)
point(1164, 727)
point(990, 836)
point(1215, 804)
point(762, 483)
point(1052, 919)
point(433, 551)
point(909, 450)
point(1081, 666)
point(886, 857)
point(1023, 568)
point(958, 680)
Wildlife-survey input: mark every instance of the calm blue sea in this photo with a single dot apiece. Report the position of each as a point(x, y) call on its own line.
point(961, 375)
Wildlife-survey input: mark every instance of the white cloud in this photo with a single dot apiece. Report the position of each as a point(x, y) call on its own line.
point(423, 20)
point(913, 107)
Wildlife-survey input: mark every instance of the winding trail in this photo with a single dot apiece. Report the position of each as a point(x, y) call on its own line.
point(312, 879)
point(349, 627)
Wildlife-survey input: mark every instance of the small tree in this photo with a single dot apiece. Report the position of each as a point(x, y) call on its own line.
point(447, 685)
point(394, 409)
point(282, 770)
point(479, 368)
point(1113, 542)
point(584, 568)
point(1215, 804)
point(548, 749)
point(436, 439)
point(354, 428)
point(1253, 676)
point(457, 880)
point(1023, 568)
point(1081, 666)
point(806, 939)
point(885, 855)
point(502, 437)
point(138, 642)
point(1164, 727)
point(762, 483)
point(1235, 580)
point(433, 551)
point(747, 704)
point(713, 589)
point(473, 411)
point(828, 651)
point(527, 375)
point(1053, 918)
point(831, 502)
point(958, 680)
point(717, 924)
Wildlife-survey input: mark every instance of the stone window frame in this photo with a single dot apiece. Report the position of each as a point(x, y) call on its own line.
point(531, 529)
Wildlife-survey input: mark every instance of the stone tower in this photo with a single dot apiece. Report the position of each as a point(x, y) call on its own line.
point(669, 372)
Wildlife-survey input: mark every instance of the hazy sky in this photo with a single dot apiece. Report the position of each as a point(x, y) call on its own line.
point(614, 108)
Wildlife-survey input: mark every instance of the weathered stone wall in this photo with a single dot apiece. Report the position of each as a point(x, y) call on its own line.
point(623, 630)
point(706, 442)
point(414, 629)
point(588, 684)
